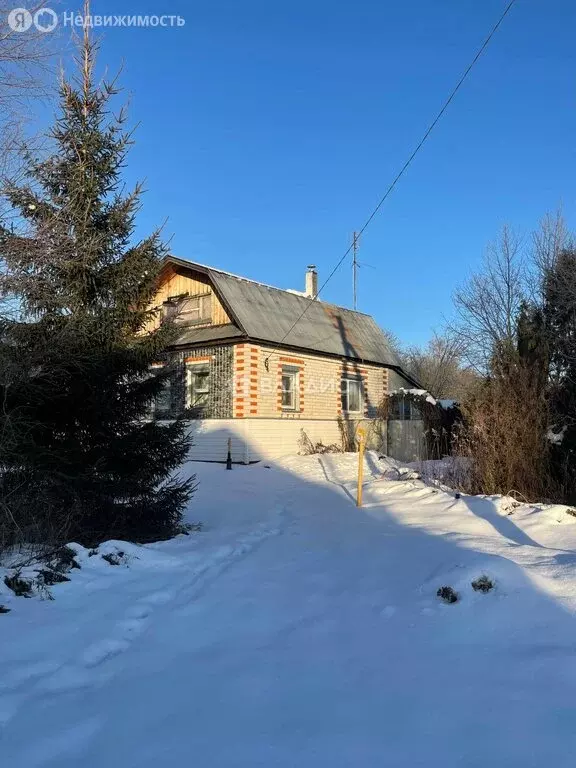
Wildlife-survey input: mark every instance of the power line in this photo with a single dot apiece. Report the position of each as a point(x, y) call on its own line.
point(400, 173)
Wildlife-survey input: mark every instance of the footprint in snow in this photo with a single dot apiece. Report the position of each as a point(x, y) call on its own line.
point(66, 680)
point(20, 677)
point(138, 612)
point(160, 598)
point(131, 628)
point(100, 652)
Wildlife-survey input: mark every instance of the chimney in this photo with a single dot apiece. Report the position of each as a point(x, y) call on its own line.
point(311, 281)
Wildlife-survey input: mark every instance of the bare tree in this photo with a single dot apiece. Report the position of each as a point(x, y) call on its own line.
point(548, 242)
point(438, 368)
point(26, 58)
point(393, 342)
point(516, 320)
point(487, 305)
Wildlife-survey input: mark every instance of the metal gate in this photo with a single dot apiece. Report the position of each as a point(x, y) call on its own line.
point(406, 440)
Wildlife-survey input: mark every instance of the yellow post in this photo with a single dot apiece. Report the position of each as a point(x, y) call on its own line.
point(361, 436)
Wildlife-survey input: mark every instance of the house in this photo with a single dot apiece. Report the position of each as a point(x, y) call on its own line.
point(258, 364)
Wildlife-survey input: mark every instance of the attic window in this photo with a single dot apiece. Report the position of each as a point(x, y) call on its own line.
point(189, 310)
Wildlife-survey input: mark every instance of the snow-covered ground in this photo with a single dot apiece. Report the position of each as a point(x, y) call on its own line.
point(296, 630)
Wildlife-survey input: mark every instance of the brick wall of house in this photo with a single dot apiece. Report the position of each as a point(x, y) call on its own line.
point(242, 386)
point(246, 394)
point(257, 386)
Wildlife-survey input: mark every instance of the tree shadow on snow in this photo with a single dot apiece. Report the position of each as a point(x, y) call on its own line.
point(367, 665)
point(330, 473)
point(487, 510)
point(324, 644)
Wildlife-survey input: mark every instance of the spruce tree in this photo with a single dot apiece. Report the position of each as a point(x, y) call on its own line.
point(532, 344)
point(76, 365)
point(560, 323)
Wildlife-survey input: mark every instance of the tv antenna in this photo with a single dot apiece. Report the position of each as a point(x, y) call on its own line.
point(355, 239)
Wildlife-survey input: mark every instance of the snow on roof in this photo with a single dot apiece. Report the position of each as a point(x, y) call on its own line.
point(416, 392)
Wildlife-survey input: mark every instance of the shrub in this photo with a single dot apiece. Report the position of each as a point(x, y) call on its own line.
point(114, 558)
point(508, 451)
point(309, 448)
point(482, 584)
point(447, 594)
point(20, 587)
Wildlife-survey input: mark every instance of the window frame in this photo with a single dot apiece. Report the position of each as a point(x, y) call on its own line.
point(345, 394)
point(293, 374)
point(192, 369)
point(175, 309)
point(405, 409)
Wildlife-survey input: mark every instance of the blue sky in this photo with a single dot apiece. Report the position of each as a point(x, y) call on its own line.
point(269, 130)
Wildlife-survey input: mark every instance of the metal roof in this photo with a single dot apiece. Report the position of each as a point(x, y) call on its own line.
point(191, 335)
point(267, 314)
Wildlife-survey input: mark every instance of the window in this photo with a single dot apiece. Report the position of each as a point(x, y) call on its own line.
point(404, 409)
point(198, 389)
point(289, 388)
point(352, 395)
point(189, 310)
point(169, 309)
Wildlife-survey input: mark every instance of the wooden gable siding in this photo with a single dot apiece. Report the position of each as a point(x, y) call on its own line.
point(176, 282)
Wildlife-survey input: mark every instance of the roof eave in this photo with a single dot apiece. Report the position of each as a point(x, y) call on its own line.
point(319, 353)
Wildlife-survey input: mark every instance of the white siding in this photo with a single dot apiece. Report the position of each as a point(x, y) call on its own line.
point(210, 440)
point(257, 439)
